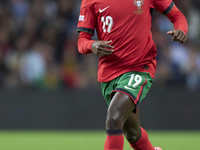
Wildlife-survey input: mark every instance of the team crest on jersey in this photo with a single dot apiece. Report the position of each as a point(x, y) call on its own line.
point(139, 4)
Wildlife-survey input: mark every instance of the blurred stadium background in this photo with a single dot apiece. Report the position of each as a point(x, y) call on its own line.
point(49, 96)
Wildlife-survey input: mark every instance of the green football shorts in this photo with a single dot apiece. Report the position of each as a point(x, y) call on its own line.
point(134, 84)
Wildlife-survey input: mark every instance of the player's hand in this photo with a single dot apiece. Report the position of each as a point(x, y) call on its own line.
point(178, 35)
point(102, 48)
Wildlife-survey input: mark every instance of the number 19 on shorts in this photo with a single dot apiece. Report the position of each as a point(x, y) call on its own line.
point(135, 80)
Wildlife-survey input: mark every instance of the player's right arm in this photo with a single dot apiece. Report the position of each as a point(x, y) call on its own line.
point(86, 45)
point(86, 26)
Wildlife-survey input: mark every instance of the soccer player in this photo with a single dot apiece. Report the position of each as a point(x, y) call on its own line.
point(127, 60)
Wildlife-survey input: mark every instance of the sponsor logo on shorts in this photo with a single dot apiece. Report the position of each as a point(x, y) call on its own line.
point(126, 87)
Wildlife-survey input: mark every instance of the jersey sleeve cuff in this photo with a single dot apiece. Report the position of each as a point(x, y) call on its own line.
point(90, 45)
point(88, 30)
point(168, 9)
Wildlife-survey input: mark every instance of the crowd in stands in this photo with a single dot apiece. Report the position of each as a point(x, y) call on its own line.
point(38, 47)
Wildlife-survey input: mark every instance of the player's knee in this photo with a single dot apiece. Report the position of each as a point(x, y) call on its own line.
point(113, 123)
point(132, 135)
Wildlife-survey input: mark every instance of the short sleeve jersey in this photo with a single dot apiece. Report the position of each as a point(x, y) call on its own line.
point(128, 24)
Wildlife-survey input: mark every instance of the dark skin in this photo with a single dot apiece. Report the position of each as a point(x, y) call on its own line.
point(178, 35)
point(119, 113)
point(103, 48)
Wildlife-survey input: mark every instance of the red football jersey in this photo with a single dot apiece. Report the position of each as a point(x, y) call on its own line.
point(128, 24)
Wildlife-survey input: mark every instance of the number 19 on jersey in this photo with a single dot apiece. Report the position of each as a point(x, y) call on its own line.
point(107, 23)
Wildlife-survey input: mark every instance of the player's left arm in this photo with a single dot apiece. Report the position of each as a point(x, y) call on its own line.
point(180, 25)
point(168, 8)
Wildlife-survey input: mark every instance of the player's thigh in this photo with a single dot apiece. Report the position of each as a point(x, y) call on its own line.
point(120, 108)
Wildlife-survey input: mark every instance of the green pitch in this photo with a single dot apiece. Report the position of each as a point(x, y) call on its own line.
point(90, 140)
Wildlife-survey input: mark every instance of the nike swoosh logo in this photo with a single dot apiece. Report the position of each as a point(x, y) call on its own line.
point(126, 87)
point(101, 10)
